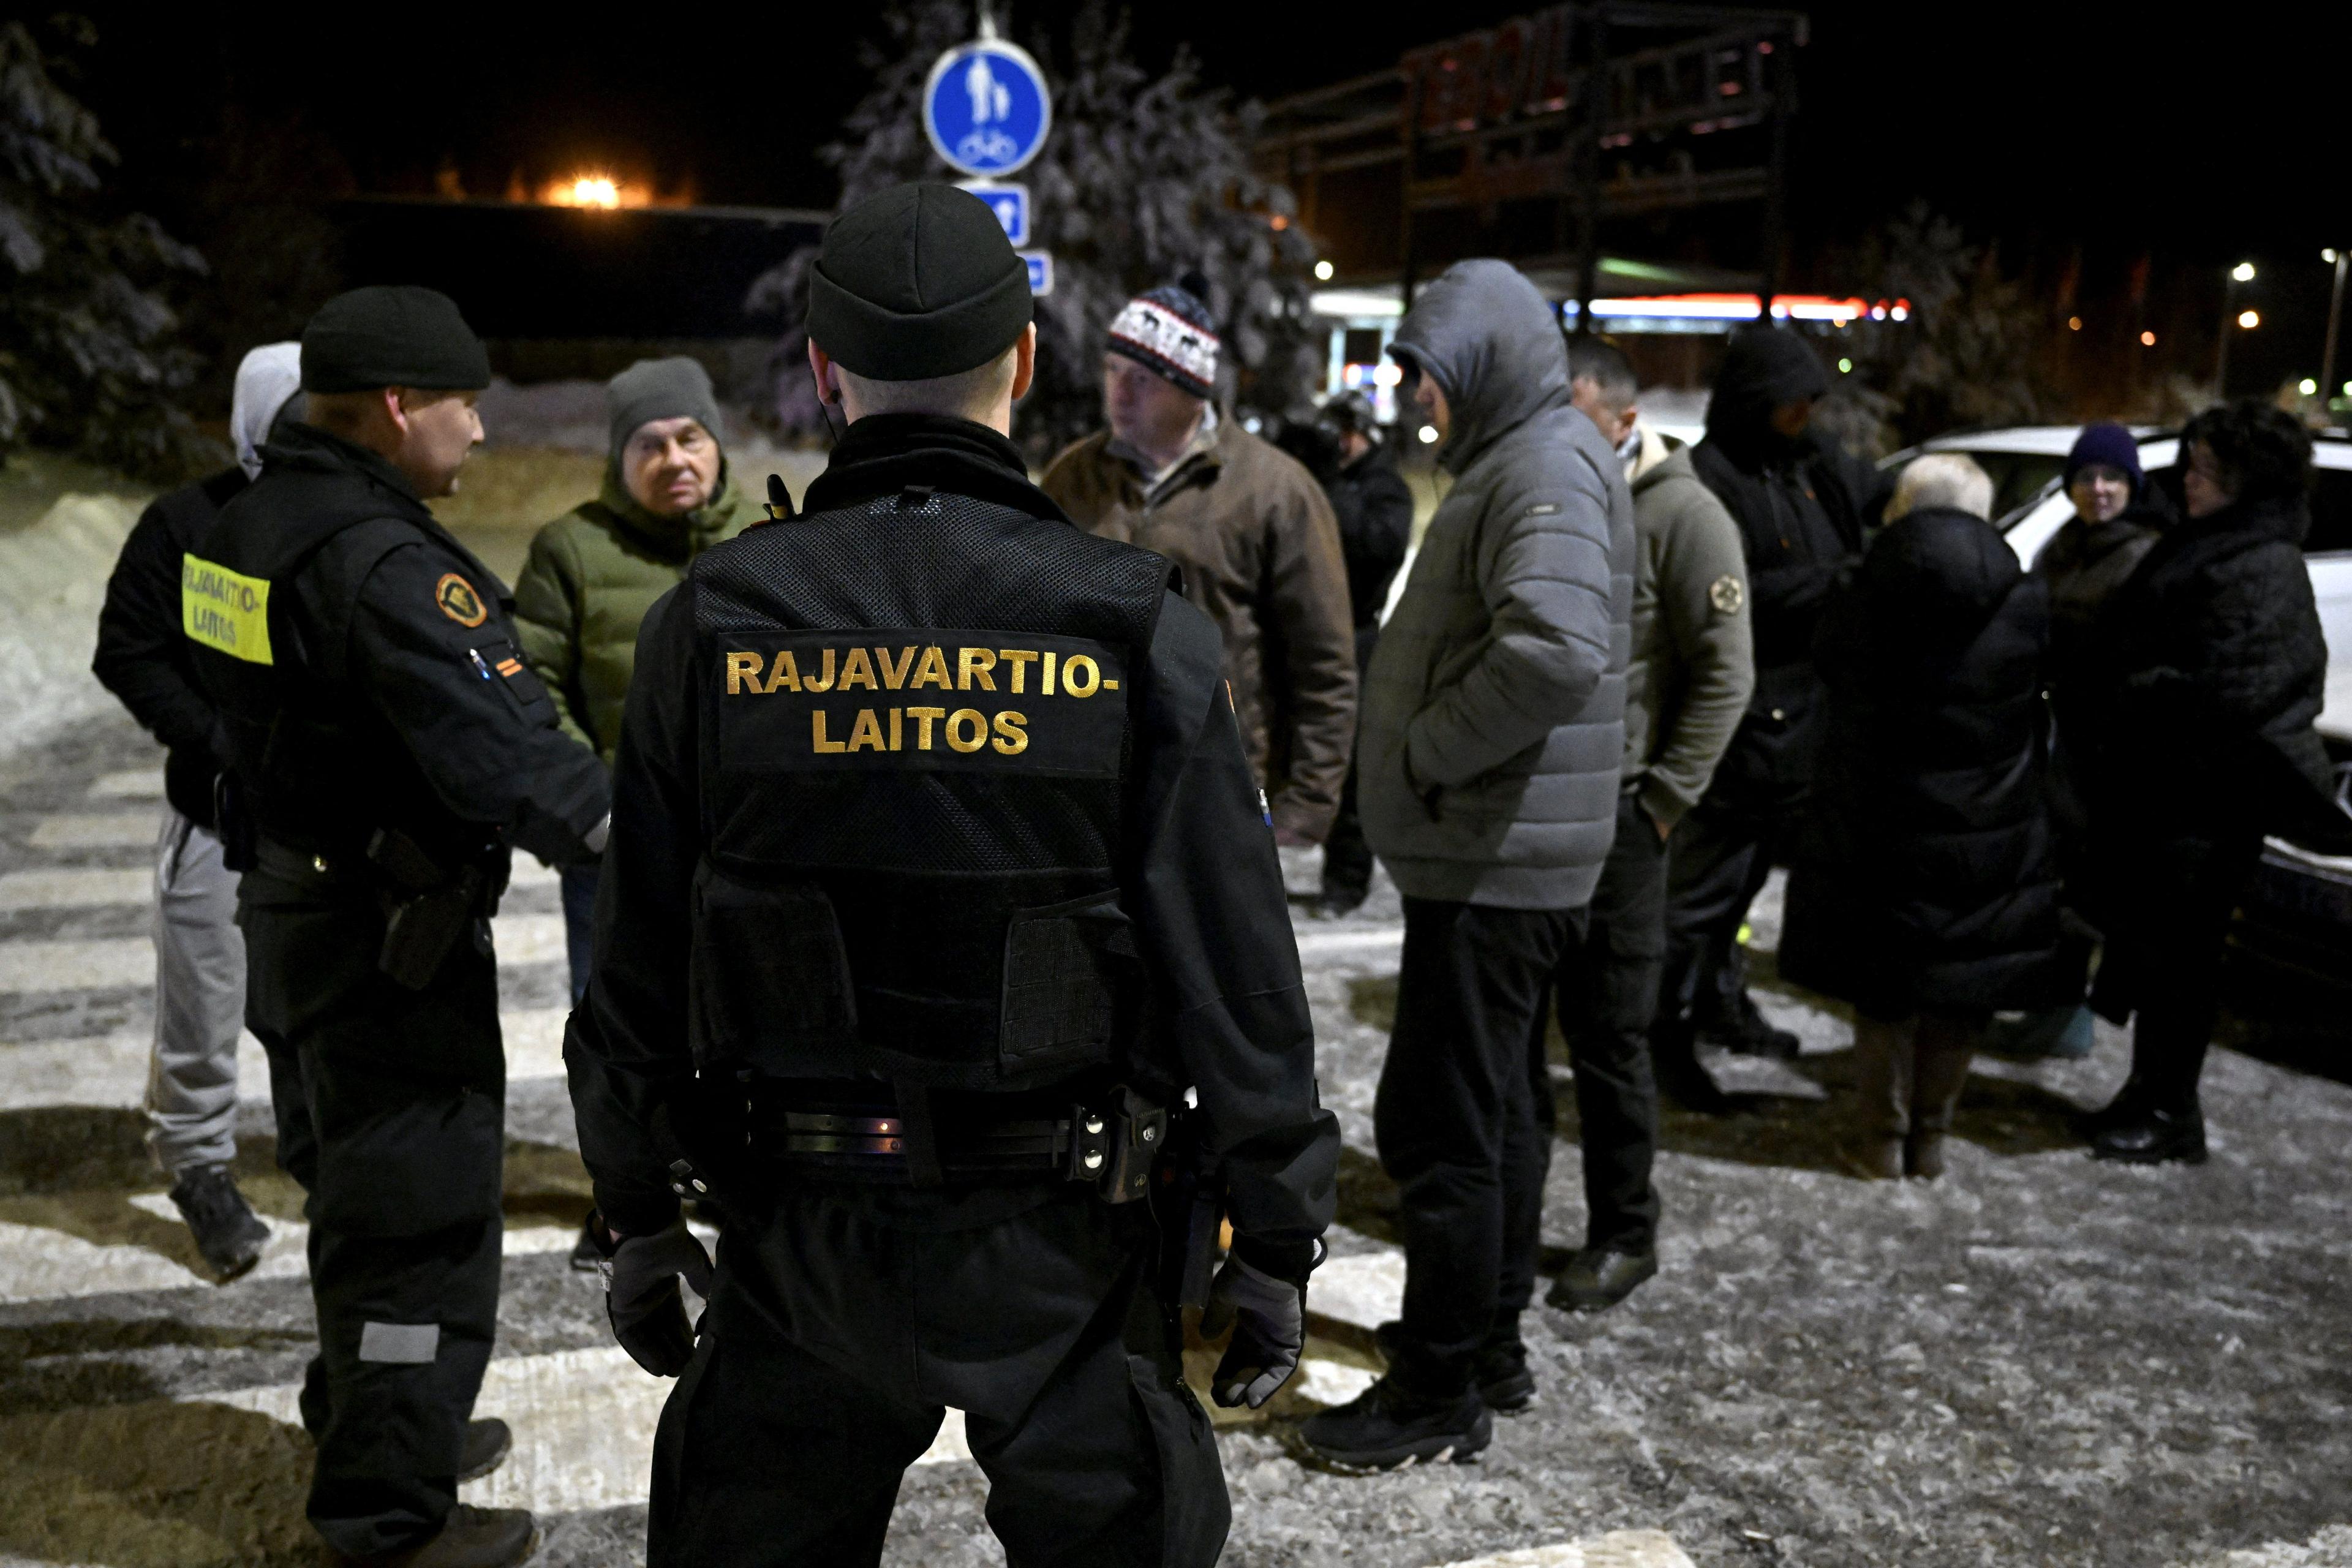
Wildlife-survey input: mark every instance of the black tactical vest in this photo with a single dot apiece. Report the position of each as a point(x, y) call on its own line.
point(914, 735)
point(319, 768)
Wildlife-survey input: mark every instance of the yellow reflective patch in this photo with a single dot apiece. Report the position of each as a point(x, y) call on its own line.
point(226, 611)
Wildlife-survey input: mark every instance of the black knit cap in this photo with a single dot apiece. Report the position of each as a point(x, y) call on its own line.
point(392, 335)
point(917, 281)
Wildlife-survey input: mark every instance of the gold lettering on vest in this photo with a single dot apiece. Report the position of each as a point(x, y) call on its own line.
point(866, 731)
point(856, 670)
point(1081, 677)
point(967, 728)
point(1049, 675)
point(817, 741)
point(1019, 659)
point(786, 675)
point(933, 671)
point(744, 668)
point(1010, 738)
point(810, 683)
point(893, 721)
point(973, 664)
point(894, 675)
point(924, 718)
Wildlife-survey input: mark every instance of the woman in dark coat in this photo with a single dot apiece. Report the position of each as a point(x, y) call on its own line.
point(1926, 888)
point(2215, 666)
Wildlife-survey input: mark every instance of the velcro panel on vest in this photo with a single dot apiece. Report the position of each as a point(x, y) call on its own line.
point(1064, 970)
point(924, 700)
point(769, 977)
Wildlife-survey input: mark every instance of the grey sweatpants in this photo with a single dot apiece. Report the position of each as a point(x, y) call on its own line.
point(199, 1001)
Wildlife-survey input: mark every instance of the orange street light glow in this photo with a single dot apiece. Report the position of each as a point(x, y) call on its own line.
point(597, 191)
point(2147, 340)
point(2250, 319)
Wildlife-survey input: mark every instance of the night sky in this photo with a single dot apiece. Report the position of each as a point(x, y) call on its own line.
point(2047, 128)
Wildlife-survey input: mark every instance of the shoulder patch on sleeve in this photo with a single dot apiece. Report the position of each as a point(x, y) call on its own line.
point(1727, 594)
point(459, 602)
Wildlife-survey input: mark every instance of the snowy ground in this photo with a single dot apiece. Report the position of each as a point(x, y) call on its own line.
point(2039, 1361)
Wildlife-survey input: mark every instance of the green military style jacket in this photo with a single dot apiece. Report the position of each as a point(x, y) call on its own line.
point(592, 575)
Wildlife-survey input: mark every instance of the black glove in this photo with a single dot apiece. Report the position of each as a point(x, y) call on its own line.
point(1268, 1317)
point(641, 1294)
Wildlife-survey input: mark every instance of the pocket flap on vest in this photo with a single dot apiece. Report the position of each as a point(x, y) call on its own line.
point(1064, 968)
point(768, 968)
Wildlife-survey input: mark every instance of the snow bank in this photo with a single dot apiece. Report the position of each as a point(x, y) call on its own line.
point(52, 581)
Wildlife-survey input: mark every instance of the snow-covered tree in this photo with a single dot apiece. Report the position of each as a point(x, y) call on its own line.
point(90, 359)
point(1142, 180)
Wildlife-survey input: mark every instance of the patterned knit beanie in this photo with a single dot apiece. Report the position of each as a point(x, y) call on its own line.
point(1168, 331)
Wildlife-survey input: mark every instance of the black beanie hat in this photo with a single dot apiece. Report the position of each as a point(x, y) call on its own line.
point(392, 335)
point(917, 281)
point(651, 389)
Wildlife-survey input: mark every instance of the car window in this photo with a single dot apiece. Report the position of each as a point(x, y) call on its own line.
point(2331, 513)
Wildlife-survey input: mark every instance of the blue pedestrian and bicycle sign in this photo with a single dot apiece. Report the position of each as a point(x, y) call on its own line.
point(985, 107)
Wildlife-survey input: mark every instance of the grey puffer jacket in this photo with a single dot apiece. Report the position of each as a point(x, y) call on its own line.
point(1493, 709)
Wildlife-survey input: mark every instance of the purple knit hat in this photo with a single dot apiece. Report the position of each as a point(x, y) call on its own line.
point(1168, 331)
point(2109, 444)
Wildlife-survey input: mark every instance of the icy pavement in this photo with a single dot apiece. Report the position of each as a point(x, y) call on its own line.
point(2039, 1361)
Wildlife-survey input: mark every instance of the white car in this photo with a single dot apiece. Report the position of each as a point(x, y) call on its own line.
point(2027, 464)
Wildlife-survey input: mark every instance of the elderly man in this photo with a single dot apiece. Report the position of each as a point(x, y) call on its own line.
point(595, 571)
point(1494, 736)
point(1255, 536)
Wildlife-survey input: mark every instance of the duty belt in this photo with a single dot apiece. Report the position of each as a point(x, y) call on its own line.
point(1111, 1146)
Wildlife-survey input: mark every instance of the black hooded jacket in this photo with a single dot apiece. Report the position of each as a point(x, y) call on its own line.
point(1803, 507)
point(2213, 666)
point(1924, 877)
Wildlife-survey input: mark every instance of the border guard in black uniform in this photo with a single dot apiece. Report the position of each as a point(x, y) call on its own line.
point(937, 877)
point(388, 746)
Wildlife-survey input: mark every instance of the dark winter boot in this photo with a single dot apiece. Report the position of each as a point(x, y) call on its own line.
point(1598, 1278)
point(1940, 1069)
point(1743, 1030)
point(471, 1538)
point(1500, 1370)
point(227, 1230)
point(2155, 1137)
point(1882, 1090)
point(1385, 1427)
point(488, 1443)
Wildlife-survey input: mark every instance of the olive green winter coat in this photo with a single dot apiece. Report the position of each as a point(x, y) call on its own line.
point(592, 575)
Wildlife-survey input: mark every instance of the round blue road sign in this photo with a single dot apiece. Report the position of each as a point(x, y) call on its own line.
point(986, 109)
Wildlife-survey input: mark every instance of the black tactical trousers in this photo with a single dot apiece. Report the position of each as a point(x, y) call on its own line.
point(844, 1321)
point(2162, 967)
point(390, 1105)
point(1721, 854)
point(1608, 990)
point(1462, 1119)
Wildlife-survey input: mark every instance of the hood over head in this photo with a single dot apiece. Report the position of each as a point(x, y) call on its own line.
point(1936, 575)
point(1494, 347)
point(266, 380)
point(1763, 368)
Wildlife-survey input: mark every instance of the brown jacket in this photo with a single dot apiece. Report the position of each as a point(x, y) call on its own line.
point(1260, 552)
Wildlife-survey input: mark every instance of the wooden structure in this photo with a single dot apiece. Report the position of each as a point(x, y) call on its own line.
point(1525, 140)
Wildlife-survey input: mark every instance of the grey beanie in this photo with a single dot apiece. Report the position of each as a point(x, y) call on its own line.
point(653, 389)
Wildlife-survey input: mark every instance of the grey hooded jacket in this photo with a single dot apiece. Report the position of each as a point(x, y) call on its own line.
point(1493, 709)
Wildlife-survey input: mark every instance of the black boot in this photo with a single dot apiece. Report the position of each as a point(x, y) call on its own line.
point(2154, 1137)
point(488, 1443)
point(470, 1537)
point(227, 1232)
point(1385, 1427)
point(1599, 1277)
point(1500, 1370)
point(1744, 1031)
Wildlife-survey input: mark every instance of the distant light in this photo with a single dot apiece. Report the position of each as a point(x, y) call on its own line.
point(1429, 434)
point(1279, 222)
point(1322, 272)
point(2243, 272)
point(1901, 312)
point(1878, 313)
point(2073, 323)
point(1845, 367)
point(2306, 386)
point(1387, 372)
point(1353, 303)
point(2147, 340)
point(2250, 319)
point(602, 193)
point(2329, 257)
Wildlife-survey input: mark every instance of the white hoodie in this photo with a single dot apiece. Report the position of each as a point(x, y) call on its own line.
point(266, 380)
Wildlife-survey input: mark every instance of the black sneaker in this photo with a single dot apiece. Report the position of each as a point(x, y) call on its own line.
point(470, 1537)
point(1500, 1370)
point(1385, 1428)
point(1748, 1032)
point(227, 1232)
point(488, 1443)
point(1597, 1279)
point(2153, 1138)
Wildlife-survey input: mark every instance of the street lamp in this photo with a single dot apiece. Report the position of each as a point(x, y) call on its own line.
point(2335, 318)
point(2243, 272)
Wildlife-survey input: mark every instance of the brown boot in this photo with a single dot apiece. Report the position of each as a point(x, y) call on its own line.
point(1882, 1074)
point(1944, 1049)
